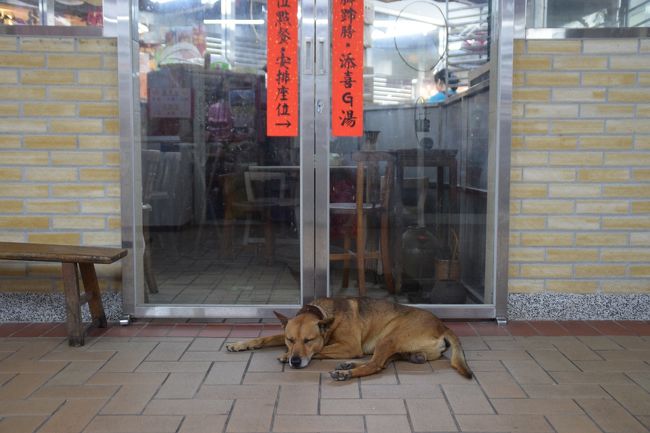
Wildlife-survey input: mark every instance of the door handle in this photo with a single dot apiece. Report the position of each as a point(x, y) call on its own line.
point(321, 67)
point(309, 57)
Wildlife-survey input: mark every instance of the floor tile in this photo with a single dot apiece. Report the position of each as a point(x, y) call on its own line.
point(574, 390)
point(34, 330)
point(499, 384)
point(318, 423)
point(186, 330)
point(634, 398)
point(203, 424)
point(467, 399)
point(461, 328)
point(489, 328)
point(387, 424)
point(188, 407)
point(130, 399)
point(7, 329)
point(572, 424)
point(134, 424)
point(579, 328)
point(251, 416)
point(416, 390)
point(527, 371)
point(73, 416)
point(521, 329)
point(39, 406)
point(298, 400)
point(366, 406)
point(611, 416)
point(609, 327)
point(503, 423)
point(20, 424)
point(549, 328)
point(638, 327)
point(430, 415)
point(181, 385)
point(535, 406)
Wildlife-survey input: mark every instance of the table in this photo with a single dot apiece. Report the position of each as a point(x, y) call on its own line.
point(440, 159)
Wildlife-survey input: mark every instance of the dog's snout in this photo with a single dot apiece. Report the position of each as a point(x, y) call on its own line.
point(295, 361)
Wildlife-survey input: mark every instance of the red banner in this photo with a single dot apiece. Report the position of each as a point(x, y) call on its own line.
point(282, 68)
point(347, 68)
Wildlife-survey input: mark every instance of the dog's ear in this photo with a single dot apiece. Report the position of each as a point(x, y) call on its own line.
point(324, 325)
point(282, 318)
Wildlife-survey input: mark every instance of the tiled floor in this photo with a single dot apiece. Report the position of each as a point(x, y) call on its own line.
point(564, 377)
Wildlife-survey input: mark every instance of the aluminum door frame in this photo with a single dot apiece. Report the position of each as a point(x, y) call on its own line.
point(496, 266)
point(131, 180)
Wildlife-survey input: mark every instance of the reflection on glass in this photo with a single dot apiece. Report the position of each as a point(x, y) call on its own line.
point(78, 13)
point(221, 214)
point(591, 14)
point(19, 12)
point(408, 199)
point(66, 12)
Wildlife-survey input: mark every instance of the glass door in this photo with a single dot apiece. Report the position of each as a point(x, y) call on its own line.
point(225, 223)
point(405, 204)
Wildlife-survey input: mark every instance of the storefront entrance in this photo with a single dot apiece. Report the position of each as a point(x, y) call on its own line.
point(228, 217)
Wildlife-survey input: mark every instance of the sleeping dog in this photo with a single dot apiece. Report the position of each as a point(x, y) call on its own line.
point(344, 328)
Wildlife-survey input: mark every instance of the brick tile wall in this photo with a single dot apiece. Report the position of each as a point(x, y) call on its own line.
point(580, 181)
point(59, 151)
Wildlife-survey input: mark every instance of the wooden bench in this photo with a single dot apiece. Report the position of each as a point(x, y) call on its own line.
point(72, 258)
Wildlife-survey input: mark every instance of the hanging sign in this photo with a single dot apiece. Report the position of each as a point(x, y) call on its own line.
point(347, 68)
point(282, 69)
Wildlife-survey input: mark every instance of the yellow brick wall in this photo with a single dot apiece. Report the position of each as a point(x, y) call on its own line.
point(580, 179)
point(59, 151)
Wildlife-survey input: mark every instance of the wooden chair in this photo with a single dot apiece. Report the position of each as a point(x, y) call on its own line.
point(263, 191)
point(372, 199)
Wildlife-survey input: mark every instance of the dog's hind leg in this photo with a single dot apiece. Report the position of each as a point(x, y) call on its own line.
point(384, 353)
point(256, 343)
point(414, 357)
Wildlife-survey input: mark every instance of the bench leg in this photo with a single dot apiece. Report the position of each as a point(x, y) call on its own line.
point(72, 306)
point(91, 287)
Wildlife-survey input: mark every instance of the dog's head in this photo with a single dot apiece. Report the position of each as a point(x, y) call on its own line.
point(304, 336)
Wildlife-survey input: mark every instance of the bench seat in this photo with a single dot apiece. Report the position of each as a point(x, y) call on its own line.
point(74, 260)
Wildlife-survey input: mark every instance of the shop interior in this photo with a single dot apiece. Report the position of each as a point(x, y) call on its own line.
point(67, 13)
point(221, 199)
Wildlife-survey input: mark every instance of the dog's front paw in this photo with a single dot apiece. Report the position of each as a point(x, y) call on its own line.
point(237, 347)
point(284, 358)
point(347, 365)
point(341, 375)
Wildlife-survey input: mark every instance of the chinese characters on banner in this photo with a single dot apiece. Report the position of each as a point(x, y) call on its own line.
point(282, 68)
point(347, 68)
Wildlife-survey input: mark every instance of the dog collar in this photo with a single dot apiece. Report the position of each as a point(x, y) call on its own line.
point(315, 310)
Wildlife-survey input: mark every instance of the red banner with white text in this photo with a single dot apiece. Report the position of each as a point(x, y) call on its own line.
point(282, 68)
point(347, 68)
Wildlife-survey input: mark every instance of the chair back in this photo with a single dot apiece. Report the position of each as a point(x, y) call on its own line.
point(375, 187)
point(150, 167)
point(264, 185)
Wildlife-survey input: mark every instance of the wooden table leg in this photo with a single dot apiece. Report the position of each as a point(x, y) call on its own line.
point(73, 309)
point(269, 236)
point(91, 287)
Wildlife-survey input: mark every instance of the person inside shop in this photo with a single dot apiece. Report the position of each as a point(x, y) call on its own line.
point(446, 84)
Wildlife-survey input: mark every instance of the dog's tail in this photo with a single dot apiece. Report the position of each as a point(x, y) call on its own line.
point(457, 356)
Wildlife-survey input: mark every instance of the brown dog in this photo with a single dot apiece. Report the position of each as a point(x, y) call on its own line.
point(353, 327)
